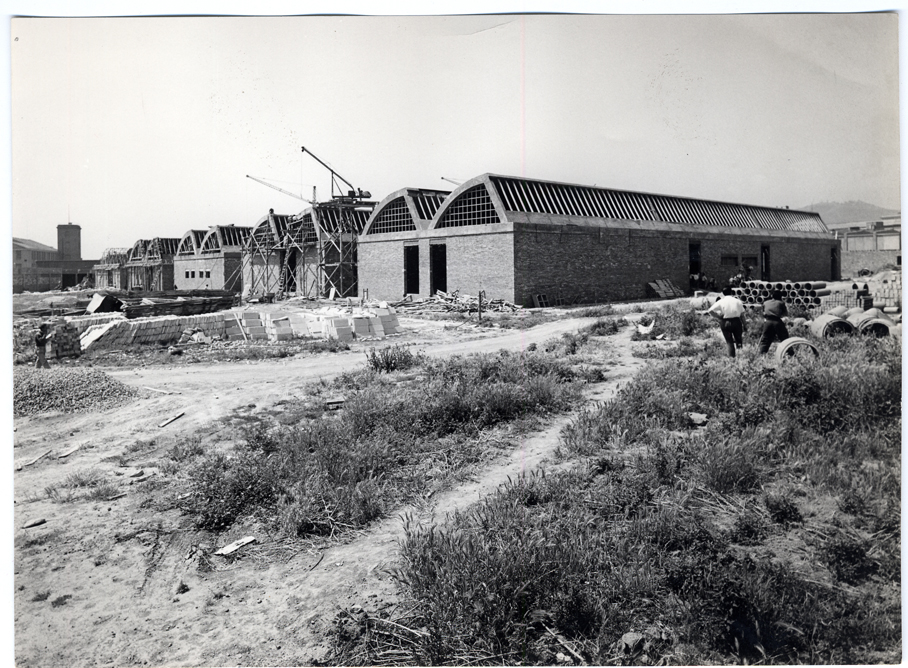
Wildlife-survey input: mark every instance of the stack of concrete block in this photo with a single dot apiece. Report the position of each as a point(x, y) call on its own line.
point(338, 328)
point(277, 327)
point(233, 328)
point(388, 319)
point(299, 324)
point(254, 326)
point(164, 330)
point(64, 342)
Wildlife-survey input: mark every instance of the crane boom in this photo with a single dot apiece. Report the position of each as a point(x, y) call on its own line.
point(330, 169)
point(286, 192)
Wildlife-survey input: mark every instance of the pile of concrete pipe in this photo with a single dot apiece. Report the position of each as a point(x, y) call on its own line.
point(795, 293)
point(841, 320)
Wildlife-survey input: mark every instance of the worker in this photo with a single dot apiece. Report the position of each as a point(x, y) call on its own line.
point(41, 339)
point(729, 311)
point(774, 310)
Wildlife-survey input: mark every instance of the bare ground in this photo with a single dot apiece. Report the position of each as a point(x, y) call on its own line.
point(125, 582)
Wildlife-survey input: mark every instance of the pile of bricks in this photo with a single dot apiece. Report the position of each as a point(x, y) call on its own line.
point(163, 330)
point(83, 322)
point(64, 342)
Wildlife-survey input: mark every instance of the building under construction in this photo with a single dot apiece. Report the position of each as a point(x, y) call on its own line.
point(310, 254)
point(111, 271)
point(149, 264)
point(211, 259)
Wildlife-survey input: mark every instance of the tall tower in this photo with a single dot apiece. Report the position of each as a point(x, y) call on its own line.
point(69, 242)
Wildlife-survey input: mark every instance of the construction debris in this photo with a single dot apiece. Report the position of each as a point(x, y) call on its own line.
point(666, 289)
point(169, 420)
point(454, 302)
point(236, 545)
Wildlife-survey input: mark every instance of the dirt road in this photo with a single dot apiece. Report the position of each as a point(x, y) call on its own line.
point(119, 583)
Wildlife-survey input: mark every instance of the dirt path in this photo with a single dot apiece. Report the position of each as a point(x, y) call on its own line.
point(123, 564)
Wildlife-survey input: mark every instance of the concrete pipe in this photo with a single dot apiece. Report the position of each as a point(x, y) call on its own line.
point(828, 326)
point(891, 309)
point(877, 327)
point(896, 331)
point(794, 345)
point(855, 310)
point(779, 286)
point(819, 285)
point(822, 292)
point(817, 301)
point(801, 292)
point(838, 311)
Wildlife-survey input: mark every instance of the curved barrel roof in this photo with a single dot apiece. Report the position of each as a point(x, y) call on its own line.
point(492, 198)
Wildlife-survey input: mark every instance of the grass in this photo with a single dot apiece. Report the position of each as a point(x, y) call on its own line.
point(770, 535)
point(392, 442)
point(88, 484)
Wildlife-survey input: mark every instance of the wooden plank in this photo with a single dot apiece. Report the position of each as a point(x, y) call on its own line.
point(235, 545)
point(38, 458)
point(67, 453)
point(33, 523)
point(169, 420)
point(154, 389)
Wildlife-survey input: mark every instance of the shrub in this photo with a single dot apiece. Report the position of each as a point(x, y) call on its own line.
point(392, 358)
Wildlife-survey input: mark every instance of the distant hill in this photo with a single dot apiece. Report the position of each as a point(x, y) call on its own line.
point(849, 212)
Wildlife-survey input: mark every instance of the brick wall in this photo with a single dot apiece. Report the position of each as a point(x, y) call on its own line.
point(591, 264)
point(381, 268)
point(854, 261)
point(602, 264)
point(477, 262)
point(473, 260)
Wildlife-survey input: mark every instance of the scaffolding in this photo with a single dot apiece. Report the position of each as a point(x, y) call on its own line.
point(310, 254)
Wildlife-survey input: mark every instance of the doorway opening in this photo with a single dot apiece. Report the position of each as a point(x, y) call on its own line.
point(411, 270)
point(764, 263)
point(438, 268)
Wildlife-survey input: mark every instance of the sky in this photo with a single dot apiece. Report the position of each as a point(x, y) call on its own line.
point(141, 127)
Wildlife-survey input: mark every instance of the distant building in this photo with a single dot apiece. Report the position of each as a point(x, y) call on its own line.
point(211, 259)
point(870, 245)
point(37, 267)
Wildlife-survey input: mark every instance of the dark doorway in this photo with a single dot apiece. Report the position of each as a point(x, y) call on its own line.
point(411, 270)
point(696, 279)
point(834, 271)
point(764, 263)
point(438, 268)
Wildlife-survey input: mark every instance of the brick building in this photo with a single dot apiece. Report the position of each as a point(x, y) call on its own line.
point(149, 264)
point(515, 238)
point(211, 259)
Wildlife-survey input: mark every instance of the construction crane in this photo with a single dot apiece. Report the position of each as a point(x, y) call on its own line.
point(354, 193)
point(286, 192)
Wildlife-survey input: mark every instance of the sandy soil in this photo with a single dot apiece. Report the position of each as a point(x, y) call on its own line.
point(128, 584)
